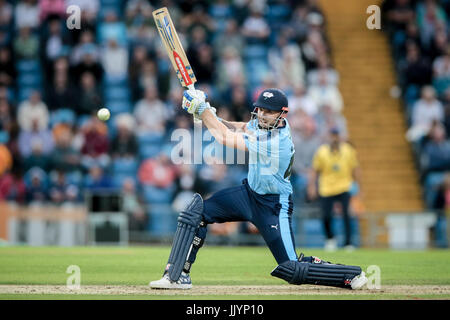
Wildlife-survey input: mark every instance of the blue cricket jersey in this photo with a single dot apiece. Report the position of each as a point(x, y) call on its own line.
point(271, 154)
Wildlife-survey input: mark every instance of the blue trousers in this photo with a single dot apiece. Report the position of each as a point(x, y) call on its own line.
point(270, 213)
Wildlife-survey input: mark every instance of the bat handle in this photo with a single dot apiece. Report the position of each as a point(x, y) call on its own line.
point(196, 120)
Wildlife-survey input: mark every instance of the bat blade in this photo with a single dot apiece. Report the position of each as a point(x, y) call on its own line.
point(173, 47)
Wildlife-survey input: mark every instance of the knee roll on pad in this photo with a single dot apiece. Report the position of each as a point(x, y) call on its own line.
point(188, 222)
point(335, 275)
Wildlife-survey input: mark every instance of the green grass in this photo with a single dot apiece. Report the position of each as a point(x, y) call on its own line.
point(214, 266)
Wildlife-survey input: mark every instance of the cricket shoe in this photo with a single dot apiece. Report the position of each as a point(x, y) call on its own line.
point(359, 281)
point(184, 282)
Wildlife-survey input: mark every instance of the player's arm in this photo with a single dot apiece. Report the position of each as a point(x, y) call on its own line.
point(234, 125)
point(222, 133)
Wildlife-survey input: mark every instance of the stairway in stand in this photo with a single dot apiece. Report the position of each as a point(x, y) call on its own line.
point(375, 120)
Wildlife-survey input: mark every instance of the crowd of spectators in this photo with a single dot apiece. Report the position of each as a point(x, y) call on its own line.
point(419, 33)
point(54, 79)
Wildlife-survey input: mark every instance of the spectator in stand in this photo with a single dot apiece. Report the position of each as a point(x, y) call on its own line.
point(97, 179)
point(148, 77)
point(61, 94)
point(323, 66)
point(447, 110)
point(436, 152)
point(27, 14)
point(430, 16)
point(133, 207)
point(61, 191)
point(37, 158)
point(399, 14)
point(326, 93)
point(124, 144)
point(441, 72)
point(255, 28)
point(415, 68)
point(312, 49)
point(89, 10)
point(442, 200)
point(6, 14)
point(26, 45)
point(89, 98)
point(64, 157)
point(315, 21)
point(112, 28)
point(150, 105)
point(240, 106)
point(96, 145)
point(55, 41)
point(7, 118)
point(33, 109)
point(36, 191)
point(59, 66)
point(230, 65)
point(298, 24)
point(51, 8)
point(12, 186)
point(425, 111)
point(212, 176)
point(141, 28)
point(158, 172)
point(88, 63)
point(439, 44)
point(8, 71)
point(85, 44)
point(6, 159)
point(301, 100)
point(204, 67)
point(231, 37)
point(42, 136)
point(306, 142)
point(115, 59)
point(328, 119)
point(136, 65)
point(291, 70)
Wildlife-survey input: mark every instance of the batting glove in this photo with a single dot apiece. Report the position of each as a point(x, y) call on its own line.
point(194, 102)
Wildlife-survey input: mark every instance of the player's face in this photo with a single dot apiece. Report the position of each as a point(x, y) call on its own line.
point(267, 118)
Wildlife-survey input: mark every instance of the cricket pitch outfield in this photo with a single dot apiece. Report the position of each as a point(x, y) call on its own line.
point(219, 273)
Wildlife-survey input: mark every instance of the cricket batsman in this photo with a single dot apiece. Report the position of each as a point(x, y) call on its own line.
point(264, 198)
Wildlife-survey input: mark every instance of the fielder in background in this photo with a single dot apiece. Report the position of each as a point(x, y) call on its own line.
point(336, 166)
point(264, 198)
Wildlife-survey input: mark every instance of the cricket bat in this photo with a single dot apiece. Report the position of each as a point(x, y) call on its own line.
point(174, 49)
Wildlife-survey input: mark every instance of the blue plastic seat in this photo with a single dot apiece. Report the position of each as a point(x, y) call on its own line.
point(116, 107)
point(24, 66)
point(149, 151)
point(124, 166)
point(117, 93)
point(110, 81)
point(74, 177)
point(150, 138)
point(28, 177)
point(25, 92)
point(155, 195)
point(29, 79)
point(163, 220)
point(119, 179)
point(62, 116)
point(255, 51)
